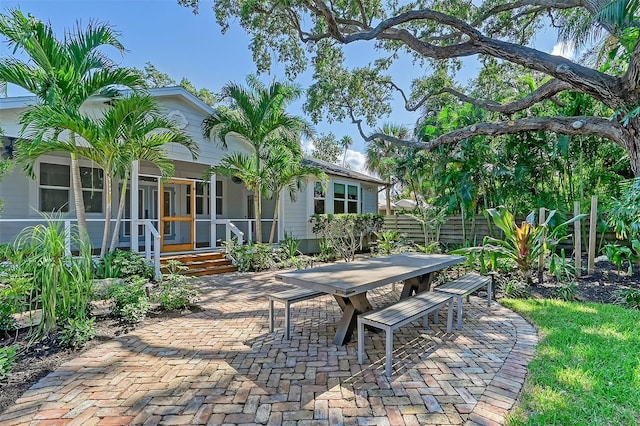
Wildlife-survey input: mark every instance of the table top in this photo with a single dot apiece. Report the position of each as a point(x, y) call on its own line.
point(350, 278)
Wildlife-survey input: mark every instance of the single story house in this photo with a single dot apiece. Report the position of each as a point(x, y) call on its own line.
point(188, 213)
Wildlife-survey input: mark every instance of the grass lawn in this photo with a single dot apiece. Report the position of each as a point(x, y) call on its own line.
point(587, 367)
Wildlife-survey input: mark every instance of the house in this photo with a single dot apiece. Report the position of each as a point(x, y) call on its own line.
point(188, 213)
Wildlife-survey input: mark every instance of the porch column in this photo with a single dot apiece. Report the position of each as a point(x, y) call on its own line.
point(135, 171)
point(212, 210)
point(280, 228)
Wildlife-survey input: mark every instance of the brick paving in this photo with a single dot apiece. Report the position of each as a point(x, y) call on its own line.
point(222, 366)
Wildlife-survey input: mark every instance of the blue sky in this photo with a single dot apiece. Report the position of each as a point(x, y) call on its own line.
point(182, 44)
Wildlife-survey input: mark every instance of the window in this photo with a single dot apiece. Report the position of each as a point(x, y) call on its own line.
point(202, 199)
point(55, 188)
point(319, 196)
point(345, 198)
point(218, 197)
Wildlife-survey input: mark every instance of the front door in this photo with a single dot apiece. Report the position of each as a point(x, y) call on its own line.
point(177, 215)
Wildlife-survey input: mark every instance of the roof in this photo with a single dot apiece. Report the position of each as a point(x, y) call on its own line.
point(335, 170)
point(15, 102)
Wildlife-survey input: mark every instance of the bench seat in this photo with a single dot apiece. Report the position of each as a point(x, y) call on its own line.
point(400, 313)
point(289, 297)
point(464, 286)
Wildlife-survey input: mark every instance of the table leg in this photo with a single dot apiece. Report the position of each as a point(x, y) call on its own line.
point(416, 285)
point(351, 307)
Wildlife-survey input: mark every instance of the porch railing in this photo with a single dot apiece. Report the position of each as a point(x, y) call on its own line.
point(149, 232)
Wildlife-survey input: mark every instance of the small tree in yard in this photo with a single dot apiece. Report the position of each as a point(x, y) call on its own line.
point(344, 232)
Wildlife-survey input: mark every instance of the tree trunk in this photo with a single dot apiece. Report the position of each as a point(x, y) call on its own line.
point(387, 194)
point(123, 199)
point(257, 206)
point(107, 215)
point(275, 216)
point(78, 197)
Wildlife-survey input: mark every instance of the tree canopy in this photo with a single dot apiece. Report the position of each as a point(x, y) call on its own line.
point(437, 34)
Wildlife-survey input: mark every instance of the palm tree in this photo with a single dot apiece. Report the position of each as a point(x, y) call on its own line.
point(285, 170)
point(257, 114)
point(64, 72)
point(132, 129)
point(381, 156)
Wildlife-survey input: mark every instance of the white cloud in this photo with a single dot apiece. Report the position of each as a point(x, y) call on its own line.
point(356, 161)
point(565, 49)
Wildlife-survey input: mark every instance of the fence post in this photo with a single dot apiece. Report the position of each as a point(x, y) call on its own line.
point(541, 220)
point(577, 236)
point(593, 226)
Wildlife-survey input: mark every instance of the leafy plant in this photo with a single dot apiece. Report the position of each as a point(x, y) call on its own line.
point(629, 298)
point(251, 256)
point(7, 360)
point(130, 264)
point(61, 282)
point(566, 292)
point(77, 332)
point(624, 213)
point(130, 299)
point(388, 242)
point(7, 322)
point(618, 254)
point(290, 246)
point(431, 248)
point(107, 268)
point(345, 232)
point(176, 292)
point(563, 269)
point(327, 252)
point(522, 244)
point(515, 289)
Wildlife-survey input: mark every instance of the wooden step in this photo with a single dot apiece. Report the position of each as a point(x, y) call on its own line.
point(199, 264)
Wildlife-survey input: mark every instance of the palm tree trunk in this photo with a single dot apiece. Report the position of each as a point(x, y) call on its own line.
point(121, 203)
point(275, 216)
point(387, 194)
point(258, 208)
point(78, 197)
point(107, 214)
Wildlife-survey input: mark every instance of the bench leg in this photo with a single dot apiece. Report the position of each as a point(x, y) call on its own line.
point(360, 342)
point(389, 351)
point(489, 292)
point(459, 313)
point(271, 316)
point(287, 323)
point(436, 318)
point(450, 316)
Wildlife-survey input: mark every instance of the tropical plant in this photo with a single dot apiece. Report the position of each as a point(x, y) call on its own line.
point(566, 292)
point(131, 265)
point(515, 289)
point(64, 73)
point(618, 254)
point(345, 232)
point(132, 129)
point(176, 291)
point(285, 170)
point(257, 114)
point(130, 299)
point(387, 242)
point(77, 332)
point(628, 297)
point(7, 360)
point(624, 212)
point(61, 282)
point(522, 244)
point(563, 269)
point(290, 246)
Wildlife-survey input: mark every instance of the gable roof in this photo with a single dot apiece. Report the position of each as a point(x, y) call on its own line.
point(335, 170)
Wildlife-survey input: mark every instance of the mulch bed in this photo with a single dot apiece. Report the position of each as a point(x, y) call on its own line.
point(42, 358)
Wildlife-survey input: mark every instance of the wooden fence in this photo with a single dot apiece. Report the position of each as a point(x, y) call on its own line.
point(451, 231)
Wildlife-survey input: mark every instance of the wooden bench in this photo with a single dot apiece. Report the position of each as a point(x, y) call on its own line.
point(464, 286)
point(400, 313)
point(289, 297)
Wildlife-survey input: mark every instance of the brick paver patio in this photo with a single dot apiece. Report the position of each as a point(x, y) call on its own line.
point(222, 366)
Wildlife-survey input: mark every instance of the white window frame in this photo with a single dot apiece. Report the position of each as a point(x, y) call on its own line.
point(36, 186)
point(314, 198)
point(346, 183)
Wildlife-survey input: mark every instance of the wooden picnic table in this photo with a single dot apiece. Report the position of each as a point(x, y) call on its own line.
point(349, 282)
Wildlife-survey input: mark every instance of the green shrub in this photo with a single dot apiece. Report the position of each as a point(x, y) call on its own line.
point(515, 289)
point(618, 254)
point(629, 298)
point(7, 359)
point(327, 252)
point(136, 312)
point(125, 264)
point(176, 292)
point(290, 246)
point(130, 299)
point(566, 292)
point(77, 332)
point(388, 242)
point(251, 256)
point(563, 269)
